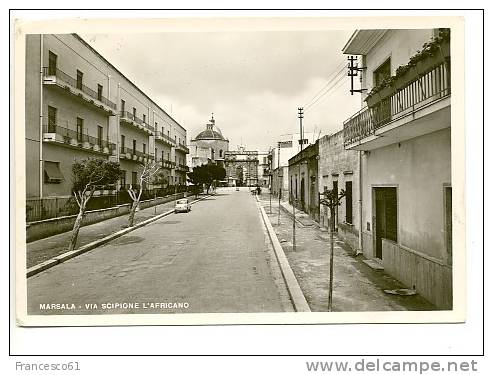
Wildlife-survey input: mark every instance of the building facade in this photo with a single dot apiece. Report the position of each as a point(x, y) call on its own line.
point(241, 167)
point(78, 105)
point(303, 181)
point(287, 146)
point(403, 132)
point(208, 146)
point(339, 169)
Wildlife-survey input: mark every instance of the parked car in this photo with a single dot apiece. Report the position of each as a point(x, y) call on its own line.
point(183, 205)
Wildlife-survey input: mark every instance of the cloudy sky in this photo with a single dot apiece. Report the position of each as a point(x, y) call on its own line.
point(252, 81)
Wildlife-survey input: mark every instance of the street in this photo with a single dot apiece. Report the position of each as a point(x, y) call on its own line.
point(217, 258)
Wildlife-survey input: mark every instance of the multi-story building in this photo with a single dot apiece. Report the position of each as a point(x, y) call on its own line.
point(264, 171)
point(403, 135)
point(78, 105)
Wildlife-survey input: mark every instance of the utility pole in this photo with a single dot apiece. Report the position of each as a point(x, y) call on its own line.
point(300, 116)
point(279, 182)
point(353, 71)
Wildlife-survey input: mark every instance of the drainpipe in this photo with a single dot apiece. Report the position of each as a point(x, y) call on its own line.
point(41, 173)
point(360, 205)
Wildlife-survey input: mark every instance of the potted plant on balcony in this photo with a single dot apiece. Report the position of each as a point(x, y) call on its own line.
point(380, 92)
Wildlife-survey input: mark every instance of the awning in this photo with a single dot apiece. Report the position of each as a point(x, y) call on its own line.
point(52, 171)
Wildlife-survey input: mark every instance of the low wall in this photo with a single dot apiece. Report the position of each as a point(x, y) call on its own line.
point(349, 234)
point(431, 278)
point(37, 230)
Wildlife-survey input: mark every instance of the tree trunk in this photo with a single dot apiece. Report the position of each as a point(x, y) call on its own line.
point(132, 213)
point(77, 224)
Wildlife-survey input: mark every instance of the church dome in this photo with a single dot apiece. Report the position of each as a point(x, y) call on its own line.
point(210, 133)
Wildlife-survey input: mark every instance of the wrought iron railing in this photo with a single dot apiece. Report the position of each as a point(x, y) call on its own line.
point(75, 138)
point(182, 147)
point(419, 92)
point(165, 137)
point(125, 115)
point(64, 77)
point(141, 156)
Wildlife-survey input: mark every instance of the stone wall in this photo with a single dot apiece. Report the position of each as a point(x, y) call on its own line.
point(336, 164)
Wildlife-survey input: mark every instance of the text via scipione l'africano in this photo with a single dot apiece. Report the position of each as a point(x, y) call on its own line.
point(116, 306)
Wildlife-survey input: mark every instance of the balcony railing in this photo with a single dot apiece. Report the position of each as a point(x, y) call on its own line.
point(59, 134)
point(167, 163)
point(182, 167)
point(183, 148)
point(138, 156)
point(417, 93)
point(164, 137)
point(72, 82)
point(136, 121)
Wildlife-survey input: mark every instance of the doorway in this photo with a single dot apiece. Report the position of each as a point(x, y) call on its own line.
point(385, 216)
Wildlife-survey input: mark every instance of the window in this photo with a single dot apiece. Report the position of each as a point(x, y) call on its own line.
point(52, 173)
point(52, 119)
point(144, 117)
point(122, 105)
point(100, 92)
point(123, 179)
point(448, 223)
point(134, 178)
point(349, 202)
point(122, 144)
point(155, 153)
point(79, 79)
point(162, 155)
point(134, 113)
point(144, 148)
point(168, 157)
point(80, 129)
point(52, 63)
point(220, 153)
point(381, 73)
point(100, 136)
point(162, 130)
point(168, 133)
point(134, 146)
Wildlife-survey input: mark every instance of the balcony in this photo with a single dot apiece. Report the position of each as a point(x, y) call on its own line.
point(129, 118)
point(182, 168)
point(418, 106)
point(127, 153)
point(58, 78)
point(168, 164)
point(160, 136)
point(73, 139)
point(183, 148)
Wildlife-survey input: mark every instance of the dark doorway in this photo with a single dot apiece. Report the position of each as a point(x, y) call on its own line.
point(302, 194)
point(385, 217)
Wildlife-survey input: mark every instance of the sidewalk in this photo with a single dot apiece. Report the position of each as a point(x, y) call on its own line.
point(47, 248)
point(357, 287)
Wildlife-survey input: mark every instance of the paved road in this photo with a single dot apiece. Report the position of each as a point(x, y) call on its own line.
point(214, 259)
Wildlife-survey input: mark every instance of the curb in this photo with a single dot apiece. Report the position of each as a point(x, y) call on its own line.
point(92, 245)
point(294, 289)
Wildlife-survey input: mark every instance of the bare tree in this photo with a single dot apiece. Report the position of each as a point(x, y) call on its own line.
point(147, 172)
point(87, 175)
point(332, 200)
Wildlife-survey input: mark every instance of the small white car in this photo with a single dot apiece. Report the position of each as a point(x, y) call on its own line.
point(182, 205)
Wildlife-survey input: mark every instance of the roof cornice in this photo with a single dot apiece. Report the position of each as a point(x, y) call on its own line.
point(362, 41)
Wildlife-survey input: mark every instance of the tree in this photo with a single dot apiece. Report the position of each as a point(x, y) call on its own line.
point(87, 175)
point(206, 175)
point(147, 172)
point(331, 200)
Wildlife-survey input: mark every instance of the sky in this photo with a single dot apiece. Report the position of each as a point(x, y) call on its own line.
point(253, 82)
